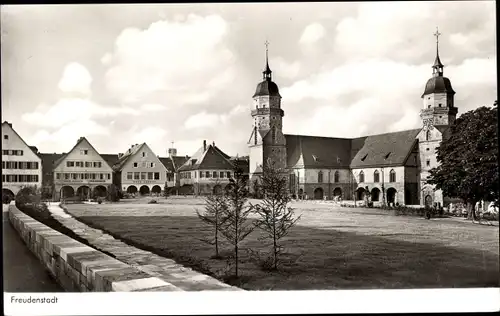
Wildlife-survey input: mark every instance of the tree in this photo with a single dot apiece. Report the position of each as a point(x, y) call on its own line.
point(113, 194)
point(468, 159)
point(165, 190)
point(276, 218)
point(236, 224)
point(215, 210)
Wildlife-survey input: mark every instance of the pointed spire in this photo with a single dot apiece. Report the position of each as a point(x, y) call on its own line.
point(438, 65)
point(267, 72)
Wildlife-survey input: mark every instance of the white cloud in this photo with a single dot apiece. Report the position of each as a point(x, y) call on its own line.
point(149, 135)
point(285, 69)
point(70, 111)
point(75, 79)
point(202, 120)
point(312, 33)
point(153, 107)
point(187, 60)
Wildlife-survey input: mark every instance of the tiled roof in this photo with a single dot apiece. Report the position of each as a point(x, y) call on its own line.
point(317, 152)
point(118, 165)
point(81, 139)
point(267, 88)
point(383, 149)
point(211, 158)
point(324, 152)
point(178, 161)
point(111, 159)
point(48, 161)
point(167, 162)
point(438, 84)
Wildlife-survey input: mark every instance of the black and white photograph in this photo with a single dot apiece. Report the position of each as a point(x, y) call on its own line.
point(253, 148)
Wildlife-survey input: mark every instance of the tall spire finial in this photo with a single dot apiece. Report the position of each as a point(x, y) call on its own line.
point(438, 66)
point(267, 72)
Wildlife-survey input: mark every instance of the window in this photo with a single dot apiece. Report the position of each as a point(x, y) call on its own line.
point(129, 176)
point(428, 163)
point(320, 177)
point(99, 164)
point(109, 176)
point(273, 134)
point(255, 135)
point(427, 149)
point(428, 135)
point(73, 176)
point(361, 177)
point(392, 176)
point(136, 175)
point(144, 164)
point(228, 174)
point(429, 106)
point(221, 174)
point(70, 163)
point(66, 176)
point(152, 165)
point(135, 164)
point(101, 176)
point(58, 176)
point(440, 116)
point(215, 174)
point(86, 176)
point(157, 176)
point(202, 174)
point(88, 164)
point(143, 154)
point(440, 104)
point(336, 177)
point(143, 175)
point(5, 136)
point(150, 176)
point(84, 151)
point(3, 164)
point(376, 176)
point(93, 176)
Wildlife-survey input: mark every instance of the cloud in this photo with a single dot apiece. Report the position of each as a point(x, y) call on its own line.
point(285, 69)
point(70, 111)
point(153, 107)
point(186, 60)
point(312, 33)
point(209, 120)
point(75, 79)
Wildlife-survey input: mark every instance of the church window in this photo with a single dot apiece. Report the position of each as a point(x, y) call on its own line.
point(427, 135)
point(255, 135)
point(361, 177)
point(320, 177)
point(336, 177)
point(428, 163)
point(392, 176)
point(376, 176)
point(427, 149)
point(440, 104)
point(429, 106)
point(273, 135)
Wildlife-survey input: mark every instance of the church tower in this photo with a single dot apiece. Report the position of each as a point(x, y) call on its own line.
point(438, 113)
point(267, 142)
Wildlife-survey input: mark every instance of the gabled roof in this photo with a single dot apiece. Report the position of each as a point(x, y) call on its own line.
point(317, 152)
point(168, 163)
point(383, 150)
point(48, 161)
point(81, 139)
point(111, 159)
point(210, 158)
point(30, 147)
point(120, 163)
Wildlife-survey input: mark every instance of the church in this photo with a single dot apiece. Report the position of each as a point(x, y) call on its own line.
point(391, 167)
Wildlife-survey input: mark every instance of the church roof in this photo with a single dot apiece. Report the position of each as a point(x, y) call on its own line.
point(388, 149)
point(267, 88)
point(438, 84)
point(370, 151)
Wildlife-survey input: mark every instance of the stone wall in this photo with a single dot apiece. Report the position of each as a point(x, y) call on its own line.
point(77, 267)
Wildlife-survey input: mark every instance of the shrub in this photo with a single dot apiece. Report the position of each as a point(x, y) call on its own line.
point(113, 193)
point(153, 201)
point(99, 200)
point(28, 195)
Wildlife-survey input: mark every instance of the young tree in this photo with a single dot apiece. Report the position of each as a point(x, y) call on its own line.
point(236, 223)
point(165, 190)
point(113, 193)
point(215, 209)
point(468, 159)
point(275, 217)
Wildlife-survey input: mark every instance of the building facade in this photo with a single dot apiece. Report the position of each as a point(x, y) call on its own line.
point(207, 171)
point(392, 167)
point(140, 171)
point(81, 172)
point(21, 164)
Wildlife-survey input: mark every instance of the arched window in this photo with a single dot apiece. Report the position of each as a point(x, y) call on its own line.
point(392, 176)
point(255, 135)
point(361, 177)
point(336, 177)
point(273, 134)
point(376, 176)
point(320, 177)
point(427, 135)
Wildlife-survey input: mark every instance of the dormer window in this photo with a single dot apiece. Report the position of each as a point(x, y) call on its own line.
point(387, 156)
point(315, 158)
point(363, 159)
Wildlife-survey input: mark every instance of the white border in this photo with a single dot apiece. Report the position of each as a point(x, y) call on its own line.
point(258, 302)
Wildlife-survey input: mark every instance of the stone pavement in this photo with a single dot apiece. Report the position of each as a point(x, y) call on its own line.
point(22, 271)
point(165, 269)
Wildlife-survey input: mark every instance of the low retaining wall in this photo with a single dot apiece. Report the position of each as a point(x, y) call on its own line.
point(77, 267)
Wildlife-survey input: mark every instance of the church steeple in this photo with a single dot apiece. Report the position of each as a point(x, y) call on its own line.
point(266, 74)
point(437, 68)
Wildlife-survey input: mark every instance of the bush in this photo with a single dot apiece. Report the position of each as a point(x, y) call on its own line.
point(6, 198)
point(99, 200)
point(153, 201)
point(28, 195)
point(113, 193)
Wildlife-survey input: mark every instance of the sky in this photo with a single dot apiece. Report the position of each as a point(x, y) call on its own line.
point(181, 73)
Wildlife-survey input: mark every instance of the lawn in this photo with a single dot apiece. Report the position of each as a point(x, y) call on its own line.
point(331, 248)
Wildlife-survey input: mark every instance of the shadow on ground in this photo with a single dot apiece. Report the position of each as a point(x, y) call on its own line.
point(317, 258)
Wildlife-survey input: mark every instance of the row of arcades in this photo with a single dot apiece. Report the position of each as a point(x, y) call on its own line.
point(337, 193)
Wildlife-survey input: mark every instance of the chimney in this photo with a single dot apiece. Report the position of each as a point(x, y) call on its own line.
point(213, 143)
point(204, 145)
